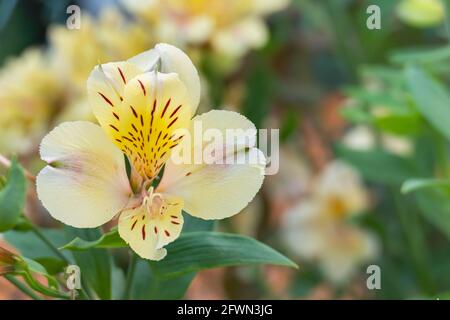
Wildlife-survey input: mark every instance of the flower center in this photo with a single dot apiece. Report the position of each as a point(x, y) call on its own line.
point(153, 202)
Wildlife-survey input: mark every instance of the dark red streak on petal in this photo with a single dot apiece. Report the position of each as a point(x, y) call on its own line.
point(134, 111)
point(165, 108)
point(173, 121)
point(142, 87)
point(121, 75)
point(143, 232)
point(106, 99)
point(175, 111)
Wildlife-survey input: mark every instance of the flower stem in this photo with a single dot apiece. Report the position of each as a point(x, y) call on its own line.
point(130, 276)
point(22, 287)
point(7, 163)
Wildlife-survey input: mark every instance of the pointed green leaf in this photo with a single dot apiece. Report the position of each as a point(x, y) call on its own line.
point(197, 251)
point(419, 184)
point(431, 98)
point(108, 240)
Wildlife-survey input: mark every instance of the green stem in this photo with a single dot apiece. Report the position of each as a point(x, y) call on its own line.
point(22, 287)
point(130, 276)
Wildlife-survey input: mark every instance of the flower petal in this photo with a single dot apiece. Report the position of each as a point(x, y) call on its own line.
point(154, 106)
point(106, 85)
point(148, 234)
point(85, 183)
point(174, 60)
point(223, 188)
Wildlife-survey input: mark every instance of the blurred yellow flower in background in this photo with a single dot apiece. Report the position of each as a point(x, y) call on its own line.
point(31, 93)
point(421, 13)
point(231, 27)
point(106, 38)
point(317, 228)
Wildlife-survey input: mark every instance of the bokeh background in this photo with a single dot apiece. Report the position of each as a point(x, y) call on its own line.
point(353, 123)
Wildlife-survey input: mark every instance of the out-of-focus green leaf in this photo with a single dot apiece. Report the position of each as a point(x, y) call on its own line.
point(435, 206)
point(289, 125)
point(420, 56)
point(431, 98)
point(418, 184)
point(373, 99)
point(95, 264)
point(205, 250)
point(259, 92)
point(402, 124)
point(379, 166)
point(356, 114)
point(12, 197)
point(111, 239)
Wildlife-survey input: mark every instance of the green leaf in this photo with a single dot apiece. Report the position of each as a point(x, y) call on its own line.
point(95, 264)
point(147, 285)
point(379, 166)
point(402, 124)
point(435, 207)
point(419, 56)
point(356, 114)
point(418, 184)
point(31, 246)
point(108, 240)
point(12, 197)
point(192, 224)
point(259, 88)
point(205, 250)
point(431, 98)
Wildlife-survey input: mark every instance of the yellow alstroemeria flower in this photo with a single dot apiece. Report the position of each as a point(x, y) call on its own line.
point(317, 227)
point(231, 27)
point(141, 105)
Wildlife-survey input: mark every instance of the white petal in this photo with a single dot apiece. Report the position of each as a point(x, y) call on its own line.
point(85, 183)
point(172, 60)
point(217, 190)
point(148, 234)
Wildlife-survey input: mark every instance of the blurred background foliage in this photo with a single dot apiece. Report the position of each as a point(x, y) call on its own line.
point(363, 118)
